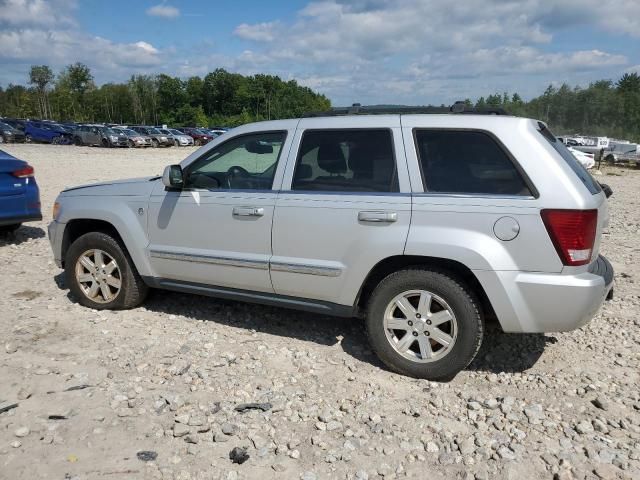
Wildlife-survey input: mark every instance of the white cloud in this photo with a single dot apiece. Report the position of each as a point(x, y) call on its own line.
point(163, 10)
point(20, 13)
point(260, 32)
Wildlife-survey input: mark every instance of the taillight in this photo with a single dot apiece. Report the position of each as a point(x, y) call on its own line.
point(23, 172)
point(573, 233)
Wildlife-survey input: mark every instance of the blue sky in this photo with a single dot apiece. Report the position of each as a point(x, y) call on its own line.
point(368, 51)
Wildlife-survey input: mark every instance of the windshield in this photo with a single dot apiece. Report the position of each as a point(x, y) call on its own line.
point(175, 132)
point(203, 131)
point(109, 131)
point(153, 131)
point(131, 133)
point(5, 126)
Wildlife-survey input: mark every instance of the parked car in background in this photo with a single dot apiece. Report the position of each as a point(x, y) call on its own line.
point(423, 225)
point(19, 193)
point(199, 137)
point(112, 138)
point(586, 159)
point(87, 135)
point(134, 138)
point(158, 139)
point(17, 123)
point(217, 131)
point(9, 134)
point(46, 132)
point(179, 138)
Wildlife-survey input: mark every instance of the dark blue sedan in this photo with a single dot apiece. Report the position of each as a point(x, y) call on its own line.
point(19, 193)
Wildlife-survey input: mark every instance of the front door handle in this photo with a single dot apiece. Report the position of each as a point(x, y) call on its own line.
point(248, 211)
point(378, 217)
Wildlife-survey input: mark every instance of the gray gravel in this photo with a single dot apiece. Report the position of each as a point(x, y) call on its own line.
point(166, 378)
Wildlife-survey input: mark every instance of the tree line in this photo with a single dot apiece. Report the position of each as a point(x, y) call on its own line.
point(604, 108)
point(218, 98)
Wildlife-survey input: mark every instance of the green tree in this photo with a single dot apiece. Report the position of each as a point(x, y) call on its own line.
point(40, 77)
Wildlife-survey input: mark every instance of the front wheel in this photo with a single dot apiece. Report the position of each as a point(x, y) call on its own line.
point(424, 324)
point(101, 274)
point(154, 143)
point(28, 138)
point(77, 141)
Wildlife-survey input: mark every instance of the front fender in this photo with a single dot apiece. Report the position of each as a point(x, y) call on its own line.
point(128, 215)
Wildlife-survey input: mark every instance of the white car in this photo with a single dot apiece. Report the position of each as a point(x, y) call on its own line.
point(586, 159)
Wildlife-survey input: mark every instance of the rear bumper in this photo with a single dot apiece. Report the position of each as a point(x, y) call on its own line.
point(528, 302)
point(31, 217)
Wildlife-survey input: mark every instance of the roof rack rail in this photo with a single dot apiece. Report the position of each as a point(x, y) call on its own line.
point(356, 109)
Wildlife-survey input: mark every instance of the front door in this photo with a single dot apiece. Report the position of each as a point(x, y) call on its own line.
point(217, 230)
point(344, 207)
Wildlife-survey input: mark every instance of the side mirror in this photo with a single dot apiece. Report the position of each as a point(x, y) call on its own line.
point(172, 176)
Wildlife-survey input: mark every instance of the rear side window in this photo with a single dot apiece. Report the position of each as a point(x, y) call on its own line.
point(467, 162)
point(579, 169)
point(346, 161)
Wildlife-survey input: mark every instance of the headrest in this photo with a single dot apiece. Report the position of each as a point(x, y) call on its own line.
point(331, 158)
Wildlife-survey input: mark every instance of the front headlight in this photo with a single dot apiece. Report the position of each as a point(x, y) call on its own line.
point(113, 138)
point(164, 139)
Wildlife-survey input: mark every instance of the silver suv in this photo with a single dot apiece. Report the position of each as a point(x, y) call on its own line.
point(423, 224)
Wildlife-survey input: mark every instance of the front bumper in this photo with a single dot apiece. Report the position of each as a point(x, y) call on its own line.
point(528, 302)
point(55, 232)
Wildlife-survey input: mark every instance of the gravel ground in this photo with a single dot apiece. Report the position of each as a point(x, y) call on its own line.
point(155, 392)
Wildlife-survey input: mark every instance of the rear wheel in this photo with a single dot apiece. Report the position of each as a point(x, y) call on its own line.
point(101, 274)
point(28, 138)
point(424, 324)
point(55, 141)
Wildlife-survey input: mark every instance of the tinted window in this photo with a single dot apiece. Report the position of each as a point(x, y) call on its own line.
point(582, 173)
point(247, 162)
point(466, 162)
point(346, 161)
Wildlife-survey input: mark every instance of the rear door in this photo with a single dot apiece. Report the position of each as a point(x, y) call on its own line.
point(344, 206)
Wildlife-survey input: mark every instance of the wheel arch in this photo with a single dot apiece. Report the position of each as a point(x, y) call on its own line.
point(118, 228)
point(451, 267)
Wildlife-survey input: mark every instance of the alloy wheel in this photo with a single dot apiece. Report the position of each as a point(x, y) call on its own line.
point(98, 275)
point(420, 326)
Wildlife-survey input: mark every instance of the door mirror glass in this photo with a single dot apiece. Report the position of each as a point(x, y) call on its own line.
point(172, 176)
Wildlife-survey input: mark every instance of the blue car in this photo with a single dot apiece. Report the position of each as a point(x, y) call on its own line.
point(47, 132)
point(19, 193)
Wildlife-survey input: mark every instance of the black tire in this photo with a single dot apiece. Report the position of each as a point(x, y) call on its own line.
point(461, 300)
point(610, 159)
point(197, 142)
point(7, 229)
point(131, 144)
point(133, 290)
point(155, 143)
point(77, 141)
point(105, 143)
point(28, 138)
point(176, 143)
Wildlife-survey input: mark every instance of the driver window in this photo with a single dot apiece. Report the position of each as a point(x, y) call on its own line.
point(247, 162)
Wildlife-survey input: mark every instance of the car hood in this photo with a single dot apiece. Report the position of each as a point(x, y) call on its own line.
point(118, 188)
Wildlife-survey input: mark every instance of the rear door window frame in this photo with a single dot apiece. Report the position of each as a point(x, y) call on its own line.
point(297, 158)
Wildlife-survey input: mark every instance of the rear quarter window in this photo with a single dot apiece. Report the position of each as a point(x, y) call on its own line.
point(467, 162)
point(582, 173)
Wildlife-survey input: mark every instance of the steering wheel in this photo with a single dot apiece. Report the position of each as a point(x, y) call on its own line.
point(236, 172)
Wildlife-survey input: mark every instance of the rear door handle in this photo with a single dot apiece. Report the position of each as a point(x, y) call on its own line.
point(248, 211)
point(378, 217)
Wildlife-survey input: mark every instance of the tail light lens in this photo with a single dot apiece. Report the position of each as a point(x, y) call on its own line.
point(23, 172)
point(573, 233)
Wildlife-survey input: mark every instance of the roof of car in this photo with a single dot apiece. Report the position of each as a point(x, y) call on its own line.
point(357, 109)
